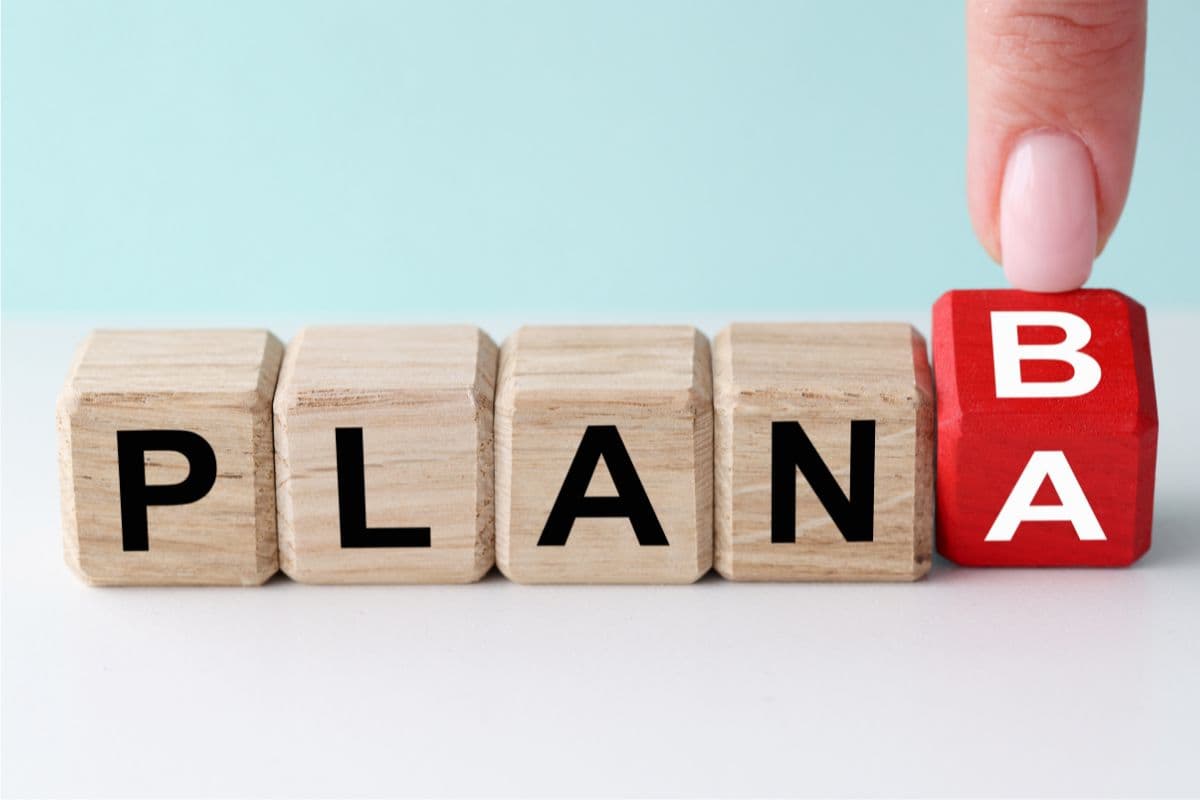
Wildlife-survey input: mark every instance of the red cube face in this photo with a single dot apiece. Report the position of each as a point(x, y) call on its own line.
point(1047, 428)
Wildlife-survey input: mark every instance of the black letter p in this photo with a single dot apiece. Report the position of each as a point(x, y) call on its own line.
point(136, 496)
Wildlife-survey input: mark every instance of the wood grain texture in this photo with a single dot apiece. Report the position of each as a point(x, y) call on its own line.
point(653, 383)
point(823, 376)
point(423, 397)
point(1108, 435)
point(216, 383)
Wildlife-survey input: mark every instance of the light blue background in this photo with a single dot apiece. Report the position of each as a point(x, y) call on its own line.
point(545, 157)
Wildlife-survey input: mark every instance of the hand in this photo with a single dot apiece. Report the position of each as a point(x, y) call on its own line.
point(1054, 93)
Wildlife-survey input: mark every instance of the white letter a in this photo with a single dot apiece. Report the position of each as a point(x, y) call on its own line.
point(1019, 506)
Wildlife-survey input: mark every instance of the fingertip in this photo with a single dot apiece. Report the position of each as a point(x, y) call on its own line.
point(1048, 228)
point(1061, 278)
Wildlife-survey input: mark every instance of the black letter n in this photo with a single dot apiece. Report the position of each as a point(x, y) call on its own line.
point(853, 515)
point(136, 496)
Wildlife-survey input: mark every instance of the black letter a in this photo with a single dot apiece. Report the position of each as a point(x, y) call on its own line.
point(352, 501)
point(853, 515)
point(602, 441)
point(136, 496)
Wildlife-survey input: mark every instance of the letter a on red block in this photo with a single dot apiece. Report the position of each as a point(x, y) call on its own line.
point(1074, 507)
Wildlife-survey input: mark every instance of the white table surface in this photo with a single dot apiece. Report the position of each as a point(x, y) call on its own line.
point(1046, 682)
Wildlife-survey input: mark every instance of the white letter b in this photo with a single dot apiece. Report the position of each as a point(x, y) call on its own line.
point(1008, 353)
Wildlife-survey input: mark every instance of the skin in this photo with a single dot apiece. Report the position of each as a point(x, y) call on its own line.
point(1066, 66)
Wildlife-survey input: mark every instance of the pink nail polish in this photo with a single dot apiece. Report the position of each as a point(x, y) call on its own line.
point(1048, 213)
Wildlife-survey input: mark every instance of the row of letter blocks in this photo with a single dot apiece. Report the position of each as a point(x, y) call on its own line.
point(425, 454)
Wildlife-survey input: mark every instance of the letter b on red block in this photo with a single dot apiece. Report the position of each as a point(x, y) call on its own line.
point(1047, 428)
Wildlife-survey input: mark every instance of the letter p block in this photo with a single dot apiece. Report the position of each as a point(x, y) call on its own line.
point(165, 458)
point(1047, 428)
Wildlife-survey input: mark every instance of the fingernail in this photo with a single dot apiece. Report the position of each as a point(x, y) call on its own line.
point(1048, 213)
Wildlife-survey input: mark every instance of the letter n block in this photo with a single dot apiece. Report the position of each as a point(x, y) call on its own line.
point(165, 458)
point(604, 455)
point(383, 451)
point(824, 452)
point(1047, 428)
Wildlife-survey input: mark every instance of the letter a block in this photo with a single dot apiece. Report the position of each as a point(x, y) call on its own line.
point(1047, 428)
point(383, 448)
point(824, 452)
point(604, 455)
point(165, 458)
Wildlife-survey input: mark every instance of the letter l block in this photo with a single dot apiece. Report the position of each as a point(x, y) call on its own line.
point(210, 390)
point(383, 450)
point(1047, 428)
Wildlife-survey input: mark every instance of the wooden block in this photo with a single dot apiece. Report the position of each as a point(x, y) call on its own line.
point(604, 455)
point(1047, 428)
point(824, 452)
point(383, 446)
point(165, 457)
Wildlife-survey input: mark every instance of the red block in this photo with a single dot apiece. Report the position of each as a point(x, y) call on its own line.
point(1047, 428)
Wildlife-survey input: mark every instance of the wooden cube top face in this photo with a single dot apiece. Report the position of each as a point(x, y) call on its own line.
point(176, 362)
point(422, 397)
point(557, 360)
point(653, 384)
point(367, 359)
point(820, 361)
point(823, 376)
point(217, 384)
